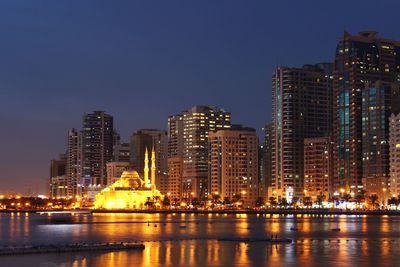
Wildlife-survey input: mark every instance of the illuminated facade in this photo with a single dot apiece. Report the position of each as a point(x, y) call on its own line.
point(198, 122)
point(360, 59)
point(131, 191)
point(317, 167)
point(301, 108)
point(234, 164)
point(394, 141)
point(379, 100)
point(97, 145)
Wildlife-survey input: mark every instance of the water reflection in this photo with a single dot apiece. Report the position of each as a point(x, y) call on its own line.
point(191, 240)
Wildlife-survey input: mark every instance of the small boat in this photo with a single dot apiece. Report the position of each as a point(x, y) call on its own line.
point(294, 229)
point(182, 226)
point(335, 229)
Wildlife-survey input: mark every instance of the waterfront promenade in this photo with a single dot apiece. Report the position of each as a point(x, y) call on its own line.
point(205, 211)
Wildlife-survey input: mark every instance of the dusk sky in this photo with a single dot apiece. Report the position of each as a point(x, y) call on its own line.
point(141, 61)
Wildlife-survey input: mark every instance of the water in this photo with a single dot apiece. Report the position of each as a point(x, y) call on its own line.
point(362, 241)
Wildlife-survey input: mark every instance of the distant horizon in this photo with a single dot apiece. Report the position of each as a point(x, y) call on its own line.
point(141, 62)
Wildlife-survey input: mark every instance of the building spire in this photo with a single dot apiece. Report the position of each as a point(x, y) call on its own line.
point(146, 167)
point(153, 168)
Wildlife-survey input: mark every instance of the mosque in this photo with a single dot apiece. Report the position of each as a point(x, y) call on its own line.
point(130, 191)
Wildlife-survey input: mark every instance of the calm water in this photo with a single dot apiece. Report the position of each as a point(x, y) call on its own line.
point(362, 241)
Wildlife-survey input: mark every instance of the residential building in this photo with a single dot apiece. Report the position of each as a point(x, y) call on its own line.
point(233, 172)
point(318, 168)
point(97, 145)
point(301, 108)
point(379, 101)
point(198, 122)
point(360, 60)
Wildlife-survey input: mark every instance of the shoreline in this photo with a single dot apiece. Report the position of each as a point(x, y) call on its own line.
point(271, 212)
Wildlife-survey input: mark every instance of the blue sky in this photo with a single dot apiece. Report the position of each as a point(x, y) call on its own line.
point(144, 60)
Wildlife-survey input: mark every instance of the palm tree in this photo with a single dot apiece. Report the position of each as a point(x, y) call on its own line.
point(374, 200)
point(283, 202)
point(320, 199)
point(216, 198)
point(166, 202)
point(307, 201)
point(259, 202)
point(272, 201)
point(393, 201)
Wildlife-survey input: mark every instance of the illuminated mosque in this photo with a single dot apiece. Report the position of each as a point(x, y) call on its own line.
point(130, 191)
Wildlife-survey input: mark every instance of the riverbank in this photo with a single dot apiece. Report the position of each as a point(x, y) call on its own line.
point(269, 211)
point(20, 250)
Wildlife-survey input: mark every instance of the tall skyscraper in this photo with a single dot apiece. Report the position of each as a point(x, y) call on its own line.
point(360, 60)
point(198, 122)
point(379, 101)
point(97, 145)
point(175, 156)
point(265, 161)
point(301, 108)
point(394, 142)
point(317, 167)
point(74, 161)
point(234, 164)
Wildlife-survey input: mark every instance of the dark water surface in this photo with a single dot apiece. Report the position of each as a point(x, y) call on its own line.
point(362, 241)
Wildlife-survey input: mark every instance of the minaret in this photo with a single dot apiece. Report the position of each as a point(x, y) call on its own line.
point(153, 169)
point(146, 168)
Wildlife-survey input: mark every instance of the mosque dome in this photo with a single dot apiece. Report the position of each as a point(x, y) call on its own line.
point(130, 179)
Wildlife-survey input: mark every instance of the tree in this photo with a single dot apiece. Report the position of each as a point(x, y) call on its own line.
point(307, 201)
point(195, 202)
point(320, 199)
point(360, 198)
point(346, 197)
point(216, 198)
point(166, 202)
point(393, 201)
point(227, 201)
point(295, 200)
point(259, 201)
point(272, 201)
point(283, 202)
point(236, 198)
point(374, 200)
point(149, 204)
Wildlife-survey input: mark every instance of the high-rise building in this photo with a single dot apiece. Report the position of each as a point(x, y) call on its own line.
point(317, 167)
point(97, 145)
point(58, 166)
point(360, 60)
point(74, 161)
point(394, 142)
point(234, 164)
point(175, 136)
point(379, 100)
point(57, 173)
point(175, 157)
point(265, 162)
point(198, 122)
point(58, 187)
point(122, 152)
point(301, 108)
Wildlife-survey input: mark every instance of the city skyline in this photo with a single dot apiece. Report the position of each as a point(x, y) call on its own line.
point(56, 87)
